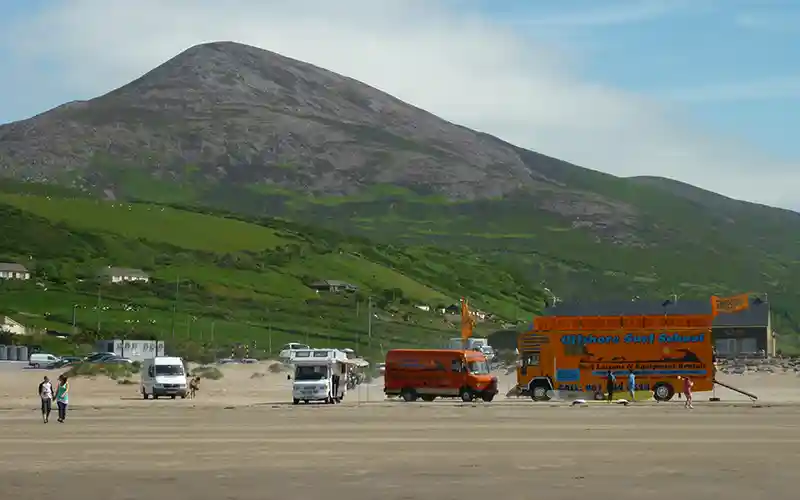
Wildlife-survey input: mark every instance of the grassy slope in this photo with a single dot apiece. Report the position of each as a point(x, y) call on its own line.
point(244, 281)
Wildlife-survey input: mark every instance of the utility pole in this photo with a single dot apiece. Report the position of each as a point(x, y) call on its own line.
point(99, 307)
point(369, 322)
point(175, 304)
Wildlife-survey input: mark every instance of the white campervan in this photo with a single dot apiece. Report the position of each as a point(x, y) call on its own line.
point(319, 375)
point(163, 376)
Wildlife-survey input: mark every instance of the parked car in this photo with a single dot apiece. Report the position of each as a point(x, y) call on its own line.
point(106, 359)
point(65, 361)
point(93, 357)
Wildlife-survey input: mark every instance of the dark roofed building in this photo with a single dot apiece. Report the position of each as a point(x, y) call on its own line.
point(333, 286)
point(745, 332)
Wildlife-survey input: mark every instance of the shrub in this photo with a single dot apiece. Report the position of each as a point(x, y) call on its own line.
point(209, 372)
point(112, 371)
point(275, 367)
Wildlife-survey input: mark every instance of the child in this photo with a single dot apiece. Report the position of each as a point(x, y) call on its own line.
point(687, 391)
point(194, 386)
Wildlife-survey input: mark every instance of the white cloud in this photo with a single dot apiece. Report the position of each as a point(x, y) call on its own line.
point(450, 61)
point(776, 23)
point(603, 14)
point(771, 88)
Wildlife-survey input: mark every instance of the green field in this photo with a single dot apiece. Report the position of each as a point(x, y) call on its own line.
point(221, 281)
point(152, 223)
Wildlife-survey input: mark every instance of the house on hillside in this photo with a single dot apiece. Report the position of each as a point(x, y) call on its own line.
point(334, 286)
point(125, 275)
point(8, 325)
point(12, 271)
point(423, 307)
point(452, 309)
point(747, 332)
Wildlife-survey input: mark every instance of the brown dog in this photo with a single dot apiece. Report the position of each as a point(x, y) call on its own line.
point(194, 386)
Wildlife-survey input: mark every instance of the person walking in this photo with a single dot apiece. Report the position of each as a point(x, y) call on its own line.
point(687, 392)
point(46, 395)
point(632, 385)
point(611, 379)
point(62, 397)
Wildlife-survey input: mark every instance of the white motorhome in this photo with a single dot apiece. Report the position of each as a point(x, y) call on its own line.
point(163, 376)
point(288, 351)
point(319, 375)
point(473, 344)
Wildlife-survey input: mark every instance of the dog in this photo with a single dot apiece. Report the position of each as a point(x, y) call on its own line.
point(194, 386)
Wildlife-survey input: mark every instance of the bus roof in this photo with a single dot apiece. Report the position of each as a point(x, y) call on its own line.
point(643, 322)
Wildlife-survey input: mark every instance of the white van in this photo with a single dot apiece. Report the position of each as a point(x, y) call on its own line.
point(42, 360)
point(163, 376)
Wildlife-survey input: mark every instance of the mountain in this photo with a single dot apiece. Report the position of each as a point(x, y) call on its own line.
point(240, 129)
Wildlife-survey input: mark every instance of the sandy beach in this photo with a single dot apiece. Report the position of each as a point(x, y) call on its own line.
point(242, 439)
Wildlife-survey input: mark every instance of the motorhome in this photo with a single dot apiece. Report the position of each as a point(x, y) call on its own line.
point(288, 351)
point(432, 373)
point(319, 375)
point(163, 376)
point(474, 344)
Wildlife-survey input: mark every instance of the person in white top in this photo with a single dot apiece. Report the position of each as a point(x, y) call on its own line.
point(46, 395)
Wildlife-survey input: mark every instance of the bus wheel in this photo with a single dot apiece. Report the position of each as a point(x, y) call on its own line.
point(466, 395)
point(539, 393)
point(487, 396)
point(409, 395)
point(663, 391)
point(428, 398)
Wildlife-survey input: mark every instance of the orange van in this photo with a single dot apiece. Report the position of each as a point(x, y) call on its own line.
point(432, 373)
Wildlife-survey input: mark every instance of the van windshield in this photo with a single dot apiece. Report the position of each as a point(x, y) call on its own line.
point(169, 370)
point(478, 367)
point(311, 373)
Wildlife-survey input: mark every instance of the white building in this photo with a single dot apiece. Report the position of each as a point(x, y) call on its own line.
point(11, 271)
point(10, 326)
point(125, 275)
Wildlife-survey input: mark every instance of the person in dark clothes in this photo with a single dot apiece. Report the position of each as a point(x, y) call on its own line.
point(611, 379)
point(46, 394)
point(335, 386)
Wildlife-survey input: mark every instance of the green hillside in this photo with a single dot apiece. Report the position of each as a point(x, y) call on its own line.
point(674, 239)
point(232, 280)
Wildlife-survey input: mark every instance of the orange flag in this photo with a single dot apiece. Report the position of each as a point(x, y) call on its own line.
point(730, 304)
point(467, 322)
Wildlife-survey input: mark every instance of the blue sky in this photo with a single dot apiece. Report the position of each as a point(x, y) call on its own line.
point(691, 79)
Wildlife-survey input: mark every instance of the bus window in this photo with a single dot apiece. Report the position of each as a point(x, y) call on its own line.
point(531, 360)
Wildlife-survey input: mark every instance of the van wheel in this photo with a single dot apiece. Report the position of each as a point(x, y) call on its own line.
point(428, 398)
point(295, 401)
point(155, 396)
point(173, 396)
point(466, 395)
point(144, 394)
point(409, 395)
point(36, 365)
point(539, 393)
point(663, 391)
point(487, 396)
